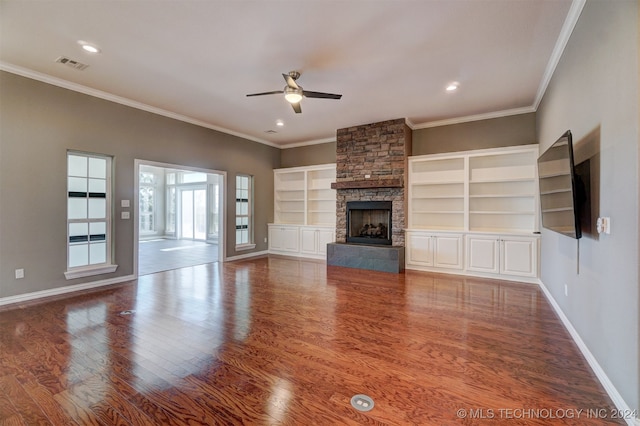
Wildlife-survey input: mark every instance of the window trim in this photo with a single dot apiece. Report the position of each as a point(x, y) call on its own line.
point(108, 266)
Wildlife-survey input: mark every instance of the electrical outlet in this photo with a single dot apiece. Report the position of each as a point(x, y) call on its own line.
point(566, 290)
point(19, 273)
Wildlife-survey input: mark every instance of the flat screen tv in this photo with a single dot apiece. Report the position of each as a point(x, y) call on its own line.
point(560, 188)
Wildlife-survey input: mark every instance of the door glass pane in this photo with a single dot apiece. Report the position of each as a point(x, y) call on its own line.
point(77, 208)
point(77, 165)
point(200, 213)
point(187, 214)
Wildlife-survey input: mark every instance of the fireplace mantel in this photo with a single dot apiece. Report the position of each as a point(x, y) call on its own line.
point(368, 183)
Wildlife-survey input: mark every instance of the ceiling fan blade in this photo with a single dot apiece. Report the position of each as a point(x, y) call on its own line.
point(266, 93)
point(290, 81)
point(309, 94)
point(296, 108)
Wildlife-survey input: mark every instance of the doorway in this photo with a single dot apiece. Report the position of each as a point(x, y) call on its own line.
point(180, 218)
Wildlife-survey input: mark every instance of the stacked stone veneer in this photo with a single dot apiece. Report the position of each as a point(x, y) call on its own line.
point(379, 150)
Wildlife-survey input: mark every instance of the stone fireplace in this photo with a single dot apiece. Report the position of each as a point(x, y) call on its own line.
point(371, 166)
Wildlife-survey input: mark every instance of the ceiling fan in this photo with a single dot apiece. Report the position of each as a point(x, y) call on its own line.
point(293, 92)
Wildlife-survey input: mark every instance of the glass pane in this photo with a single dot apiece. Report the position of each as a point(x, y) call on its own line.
point(77, 165)
point(194, 177)
point(146, 177)
point(98, 185)
point(98, 168)
point(77, 208)
point(78, 230)
point(238, 236)
point(97, 253)
point(200, 206)
point(77, 184)
point(171, 210)
point(187, 214)
point(78, 255)
point(97, 208)
point(98, 228)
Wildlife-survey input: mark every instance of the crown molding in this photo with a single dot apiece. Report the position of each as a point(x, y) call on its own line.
point(565, 33)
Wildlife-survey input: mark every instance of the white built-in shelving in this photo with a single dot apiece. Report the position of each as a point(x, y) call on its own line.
point(304, 210)
point(492, 192)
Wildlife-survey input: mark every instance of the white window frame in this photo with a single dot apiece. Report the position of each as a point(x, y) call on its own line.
point(250, 243)
point(107, 266)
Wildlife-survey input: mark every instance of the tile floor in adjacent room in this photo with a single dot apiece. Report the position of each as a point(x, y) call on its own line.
point(166, 254)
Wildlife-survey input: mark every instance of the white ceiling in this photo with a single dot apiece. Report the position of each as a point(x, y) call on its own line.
point(196, 60)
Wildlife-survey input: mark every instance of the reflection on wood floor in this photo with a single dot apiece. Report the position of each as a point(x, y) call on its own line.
point(275, 341)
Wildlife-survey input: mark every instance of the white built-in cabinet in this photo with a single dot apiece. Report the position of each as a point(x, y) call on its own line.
point(304, 211)
point(506, 255)
point(435, 250)
point(486, 201)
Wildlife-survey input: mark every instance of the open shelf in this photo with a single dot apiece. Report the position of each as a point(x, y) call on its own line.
point(493, 190)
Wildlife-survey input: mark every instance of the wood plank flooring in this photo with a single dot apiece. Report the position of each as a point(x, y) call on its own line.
point(278, 341)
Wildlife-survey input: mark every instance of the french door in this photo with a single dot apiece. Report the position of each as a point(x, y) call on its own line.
point(193, 213)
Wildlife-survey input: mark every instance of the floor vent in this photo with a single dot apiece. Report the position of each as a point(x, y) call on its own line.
point(129, 312)
point(71, 63)
point(362, 402)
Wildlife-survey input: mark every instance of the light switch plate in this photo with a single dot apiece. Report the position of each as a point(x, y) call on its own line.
point(125, 203)
point(125, 215)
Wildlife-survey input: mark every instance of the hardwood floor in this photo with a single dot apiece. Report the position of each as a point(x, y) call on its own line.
point(274, 341)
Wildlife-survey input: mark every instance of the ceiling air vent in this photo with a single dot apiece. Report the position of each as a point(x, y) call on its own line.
point(270, 131)
point(71, 63)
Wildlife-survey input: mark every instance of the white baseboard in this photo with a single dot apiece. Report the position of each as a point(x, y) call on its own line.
point(63, 290)
point(593, 363)
point(247, 256)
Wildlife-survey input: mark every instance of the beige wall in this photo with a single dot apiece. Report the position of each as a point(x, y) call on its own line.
point(594, 93)
point(40, 122)
point(493, 133)
point(308, 155)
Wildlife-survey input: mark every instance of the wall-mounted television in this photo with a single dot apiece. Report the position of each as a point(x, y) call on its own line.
point(560, 188)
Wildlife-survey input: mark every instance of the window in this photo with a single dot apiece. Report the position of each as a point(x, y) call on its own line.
point(88, 215)
point(244, 217)
point(147, 187)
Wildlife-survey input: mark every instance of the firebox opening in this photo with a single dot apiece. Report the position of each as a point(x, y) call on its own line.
point(369, 222)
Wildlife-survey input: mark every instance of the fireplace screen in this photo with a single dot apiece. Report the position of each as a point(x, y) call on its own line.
point(369, 222)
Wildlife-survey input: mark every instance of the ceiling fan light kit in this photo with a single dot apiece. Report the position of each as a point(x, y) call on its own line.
point(294, 93)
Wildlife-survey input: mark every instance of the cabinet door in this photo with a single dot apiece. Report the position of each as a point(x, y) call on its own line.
point(308, 241)
point(447, 251)
point(283, 238)
point(325, 236)
point(519, 256)
point(420, 249)
point(483, 253)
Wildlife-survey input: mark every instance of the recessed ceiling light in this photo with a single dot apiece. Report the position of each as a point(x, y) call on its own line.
point(88, 47)
point(453, 87)
point(279, 123)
